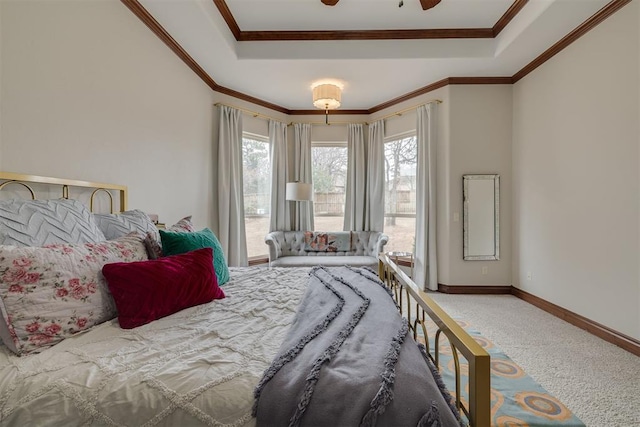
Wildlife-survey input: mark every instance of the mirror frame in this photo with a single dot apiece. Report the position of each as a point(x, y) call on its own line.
point(496, 216)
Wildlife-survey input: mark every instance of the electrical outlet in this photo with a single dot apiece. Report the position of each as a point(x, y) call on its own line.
point(456, 217)
point(529, 275)
point(485, 270)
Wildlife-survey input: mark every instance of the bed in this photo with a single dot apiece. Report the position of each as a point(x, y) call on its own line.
point(277, 349)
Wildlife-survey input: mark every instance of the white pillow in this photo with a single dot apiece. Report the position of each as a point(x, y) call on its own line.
point(50, 293)
point(121, 224)
point(45, 222)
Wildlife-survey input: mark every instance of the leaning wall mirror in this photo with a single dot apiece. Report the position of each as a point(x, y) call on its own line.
point(481, 211)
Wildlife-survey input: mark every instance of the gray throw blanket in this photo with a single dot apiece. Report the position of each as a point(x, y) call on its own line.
point(348, 360)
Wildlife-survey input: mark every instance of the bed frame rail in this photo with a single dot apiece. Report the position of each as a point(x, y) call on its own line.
point(8, 178)
point(407, 294)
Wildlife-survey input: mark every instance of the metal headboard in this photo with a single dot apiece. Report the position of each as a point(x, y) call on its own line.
point(24, 180)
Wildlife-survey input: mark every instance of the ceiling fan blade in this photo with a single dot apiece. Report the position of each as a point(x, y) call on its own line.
point(330, 2)
point(426, 4)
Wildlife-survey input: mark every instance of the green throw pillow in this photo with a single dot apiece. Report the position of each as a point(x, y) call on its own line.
point(175, 243)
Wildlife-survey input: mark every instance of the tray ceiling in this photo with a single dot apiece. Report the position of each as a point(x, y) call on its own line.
point(275, 50)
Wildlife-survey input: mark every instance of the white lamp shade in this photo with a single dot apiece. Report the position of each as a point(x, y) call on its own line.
point(299, 191)
point(327, 96)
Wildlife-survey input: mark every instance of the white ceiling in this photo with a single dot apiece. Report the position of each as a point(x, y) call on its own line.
point(371, 71)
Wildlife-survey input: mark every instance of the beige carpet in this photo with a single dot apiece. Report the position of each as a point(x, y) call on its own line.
point(597, 381)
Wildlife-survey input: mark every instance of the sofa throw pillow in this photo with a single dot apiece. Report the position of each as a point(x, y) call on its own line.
point(149, 290)
point(320, 241)
point(174, 243)
point(50, 293)
point(45, 222)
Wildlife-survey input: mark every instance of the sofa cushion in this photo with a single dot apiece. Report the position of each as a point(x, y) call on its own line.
point(310, 261)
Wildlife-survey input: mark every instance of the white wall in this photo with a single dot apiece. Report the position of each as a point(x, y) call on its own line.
point(638, 121)
point(1, 95)
point(88, 92)
point(576, 176)
point(119, 106)
point(479, 143)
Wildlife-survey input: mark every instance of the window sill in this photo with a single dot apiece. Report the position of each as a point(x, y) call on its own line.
point(258, 260)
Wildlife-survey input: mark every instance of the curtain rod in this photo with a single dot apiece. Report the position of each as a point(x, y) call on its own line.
point(397, 113)
point(253, 113)
point(401, 112)
point(337, 122)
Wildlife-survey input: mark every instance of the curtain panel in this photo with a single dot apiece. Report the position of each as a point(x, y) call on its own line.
point(232, 233)
point(302, 172)
point(374, 206)
point(280, 218)
point(426, 263)
point(355, 197)
point(364, 202)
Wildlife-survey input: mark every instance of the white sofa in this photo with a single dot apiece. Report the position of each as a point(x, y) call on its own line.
point(287, 249)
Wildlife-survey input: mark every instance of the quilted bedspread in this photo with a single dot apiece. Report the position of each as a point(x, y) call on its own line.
point(197, 367)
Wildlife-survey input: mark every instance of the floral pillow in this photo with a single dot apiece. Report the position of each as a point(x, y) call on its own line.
point(50, 293)
point(152, 240)
point(320, 241)
point(184, 225)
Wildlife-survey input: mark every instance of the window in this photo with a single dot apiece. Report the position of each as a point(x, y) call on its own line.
point(400, 193)
point(256, 169)
point(329, 185)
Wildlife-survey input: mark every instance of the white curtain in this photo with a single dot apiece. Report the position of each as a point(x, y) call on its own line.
point(364, 204)
point(374, 206)
point(355, 197)
point(280, 214)
point(426, 265)
point(303, 173)
point(230, 191)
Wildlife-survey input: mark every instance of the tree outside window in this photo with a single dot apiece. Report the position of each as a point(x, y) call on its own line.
point(256, 168)
point(329, 168)
point(400, 193)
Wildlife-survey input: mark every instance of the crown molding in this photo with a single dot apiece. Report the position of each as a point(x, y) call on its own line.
point(574, 35)
point(408, 34)
point(142, 14)
point(511, 13)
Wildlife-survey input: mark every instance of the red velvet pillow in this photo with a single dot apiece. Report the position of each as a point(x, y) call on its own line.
point(148, 290)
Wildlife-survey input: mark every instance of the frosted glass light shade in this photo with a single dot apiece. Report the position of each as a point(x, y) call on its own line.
point(298, 191)
point(327, 96)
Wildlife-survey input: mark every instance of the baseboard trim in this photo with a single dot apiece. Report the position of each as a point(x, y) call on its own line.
point(623, 341)
point(628, 343)
point(477, 290)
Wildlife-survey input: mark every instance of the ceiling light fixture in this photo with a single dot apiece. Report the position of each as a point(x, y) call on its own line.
point(327, 96)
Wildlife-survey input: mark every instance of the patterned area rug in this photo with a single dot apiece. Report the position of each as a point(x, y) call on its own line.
point(516, 399)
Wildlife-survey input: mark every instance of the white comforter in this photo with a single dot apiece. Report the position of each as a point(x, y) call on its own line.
point(196, 367)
